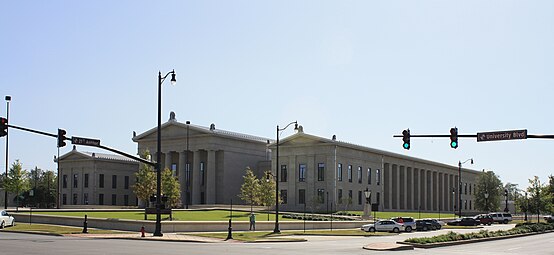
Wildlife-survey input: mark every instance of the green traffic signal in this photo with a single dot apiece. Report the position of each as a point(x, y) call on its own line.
point(406, 146)
point(406, 139)
point(454, 144)
point(454, 137)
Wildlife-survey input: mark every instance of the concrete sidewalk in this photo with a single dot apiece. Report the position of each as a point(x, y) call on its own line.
point(169, 237)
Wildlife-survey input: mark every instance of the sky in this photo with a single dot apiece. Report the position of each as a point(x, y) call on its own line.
point(361, 70)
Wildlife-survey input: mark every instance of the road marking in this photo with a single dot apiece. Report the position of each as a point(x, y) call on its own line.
point(516, 248)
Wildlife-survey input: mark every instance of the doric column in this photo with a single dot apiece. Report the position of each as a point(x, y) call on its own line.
point(182, 176)
point(424, 184)
point(210, 178)
point(196, 182)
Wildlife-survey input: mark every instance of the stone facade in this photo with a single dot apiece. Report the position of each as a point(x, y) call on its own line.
point(88, 178)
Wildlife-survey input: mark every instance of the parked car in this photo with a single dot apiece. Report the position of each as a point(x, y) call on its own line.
point(484, 219)
point(501, 217)
point(6, 219)
point(466, 221)
point(422, 225)
point(435, 224)
point(384, 225)
point(409, 223)
point(549, 218)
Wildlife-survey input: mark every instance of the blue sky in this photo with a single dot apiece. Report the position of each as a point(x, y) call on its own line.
point(361, 70)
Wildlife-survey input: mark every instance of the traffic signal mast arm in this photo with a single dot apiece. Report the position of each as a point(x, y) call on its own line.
point(444, 136)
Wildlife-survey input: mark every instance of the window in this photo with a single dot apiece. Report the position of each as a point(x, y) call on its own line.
point(85, 198)
point(75, 176)
point(340, 196)
point(86, 180)
point(302, 173)
point(470, 194)
point(465, 204)
point(114, 199)
point(301, 196)
point(339, 172)
point(321, 196)
point(65, 181)
point(284, 196)
point(321, 171)
point(174, 170)
point(350, 197)
point(126, 185)
point(369, 176)
point(187, 174)
point(284, 176)
point(378, 177)
point(349, 173)
point(359, 174)
point(126, 200)
point(75, 198)
point(465, 189)
point(64, 199)
point(470, 204)
point(101, 182)
point(202, 173)
point(114, 181)
point(359, 197)
point(100, 199)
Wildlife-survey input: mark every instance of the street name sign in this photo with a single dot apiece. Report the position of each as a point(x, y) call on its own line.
point(502, 135)
point(85, 141)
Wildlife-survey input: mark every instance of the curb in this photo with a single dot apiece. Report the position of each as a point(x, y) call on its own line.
point(32, 232)
point(460, 242)
point(388, 247)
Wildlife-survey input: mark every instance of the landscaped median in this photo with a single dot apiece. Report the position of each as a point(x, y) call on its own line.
point(452, 238)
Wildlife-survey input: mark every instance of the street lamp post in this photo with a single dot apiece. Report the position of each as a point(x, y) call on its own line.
point(460, 163)
point(506, 197)
point(158, 229)
point(526, 206)
point(8, 99)
point(367, 212)
point(453, 203)
point(276, 230)
point(187, 170)
point(487, 201)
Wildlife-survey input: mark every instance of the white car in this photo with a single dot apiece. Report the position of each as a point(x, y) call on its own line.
point(6, 219)
point(383, 225)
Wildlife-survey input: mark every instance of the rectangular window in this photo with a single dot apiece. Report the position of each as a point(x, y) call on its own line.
point(101, 199)
point(284, 174)
point(378, 198)
point(187, 174)
point(321, 196)
point(101, 181)
point(465, 189)
point(321, 171)
point(202, 198)
point(126, 185)
point(465, 204)
point(64, 181)
point(75, 176)
point(85, 198)
point(114, 199)
point(86, 180)
point(114, 181)
point(469, 204)
point(75, 198)
point(339, 172)
point(284, 196)
point(369, 176)
point(340, 196)
point(359, 197)
point(125, 200)
point(174, 170)
point(64, 199)
point(349, 197)
point(349, 173)
point(301, 196)
point(470, 194)
point(202, 173)
point(378, 177)
point(359, 174)
point(302, 173)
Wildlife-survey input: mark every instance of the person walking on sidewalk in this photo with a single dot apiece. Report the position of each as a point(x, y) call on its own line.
point(252, 221)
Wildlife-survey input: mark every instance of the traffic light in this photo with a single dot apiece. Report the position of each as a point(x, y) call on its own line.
point(61, 138)
point(406, 139)
point(454, 138)
point(3, 126)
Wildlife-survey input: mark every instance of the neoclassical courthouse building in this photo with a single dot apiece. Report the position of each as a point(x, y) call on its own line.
point(317, 172)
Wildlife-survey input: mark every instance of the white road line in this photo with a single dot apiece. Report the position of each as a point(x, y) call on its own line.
point(516, 248)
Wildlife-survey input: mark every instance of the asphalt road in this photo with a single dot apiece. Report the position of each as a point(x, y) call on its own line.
point(14, 243)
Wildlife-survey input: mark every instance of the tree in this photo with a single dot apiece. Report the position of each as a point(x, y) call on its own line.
point(42, 188)
point(267, 191)
point(145, 186)
point(537, 198)
point(171, 188)
point(17, 181)
point(249, 189)
point(488, 183)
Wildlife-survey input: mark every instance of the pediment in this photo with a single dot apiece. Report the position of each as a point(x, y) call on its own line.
point(74, 155)
point(174, 129)
point(302, 139)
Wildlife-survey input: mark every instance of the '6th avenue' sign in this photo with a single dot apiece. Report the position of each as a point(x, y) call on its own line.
point(502, 135)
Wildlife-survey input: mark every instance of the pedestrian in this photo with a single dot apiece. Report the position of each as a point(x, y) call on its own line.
point(400, 220)
point(252, 221)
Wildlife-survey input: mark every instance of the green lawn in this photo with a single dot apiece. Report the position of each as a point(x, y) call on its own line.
point(415, 215)
point(208, 215)
point(56, 229)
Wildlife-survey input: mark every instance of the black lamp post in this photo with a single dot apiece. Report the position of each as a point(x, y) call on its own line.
point(276, 230)
point(487, 201)
point(453, 203)
point(187, 170)
point(8, 99)
point(158, 230)
point(526, 206)
point(460, 163)
point(506, 197)
point(367, 194)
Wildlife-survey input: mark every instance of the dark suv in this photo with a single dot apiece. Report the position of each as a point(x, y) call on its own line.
point(484, 219)
point(409, 223)
point(435, 225)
